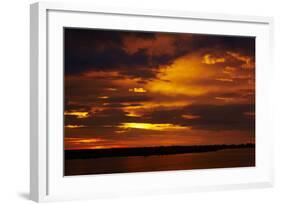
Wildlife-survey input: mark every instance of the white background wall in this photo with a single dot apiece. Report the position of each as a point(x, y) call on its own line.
point(14, 102)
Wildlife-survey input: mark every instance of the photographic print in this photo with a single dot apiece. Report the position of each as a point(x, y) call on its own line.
point(137, 101)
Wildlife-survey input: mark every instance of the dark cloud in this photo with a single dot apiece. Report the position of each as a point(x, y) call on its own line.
point(104, 50)
point(211, 117)
point(121, 105)
point(75, 107)
point(102, 119)
point(220, 117)
point(221, 43)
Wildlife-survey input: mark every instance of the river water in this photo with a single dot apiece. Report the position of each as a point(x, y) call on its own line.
point(244, 157)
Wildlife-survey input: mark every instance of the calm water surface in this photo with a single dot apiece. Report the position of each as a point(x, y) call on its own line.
point(219, 159)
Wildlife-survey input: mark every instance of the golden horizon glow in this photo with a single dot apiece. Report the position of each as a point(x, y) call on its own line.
point(75, 140)
point(104, 147)
point(150, 126)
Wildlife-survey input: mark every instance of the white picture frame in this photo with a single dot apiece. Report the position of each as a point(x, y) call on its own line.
point(47, 182)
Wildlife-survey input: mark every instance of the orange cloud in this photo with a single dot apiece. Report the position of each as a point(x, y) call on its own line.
point(87, 140)
point(248, 62)
point(137, 90)
point(191, 117)
point(224, 99)
point(103, 97)
point(182, 77)
point(210, 60)
point(111, 89)
point(229, 70)
point(78, 114)
point(150, 126)
point(133, 114)
point(74, 126)
point(224, 79)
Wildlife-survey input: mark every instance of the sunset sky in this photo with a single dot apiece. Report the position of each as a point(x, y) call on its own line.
point(137, 89)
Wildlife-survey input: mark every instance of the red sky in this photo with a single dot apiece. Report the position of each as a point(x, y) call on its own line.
point(135, 89)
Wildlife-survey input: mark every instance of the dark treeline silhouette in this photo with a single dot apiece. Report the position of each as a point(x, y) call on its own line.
point(147, 151)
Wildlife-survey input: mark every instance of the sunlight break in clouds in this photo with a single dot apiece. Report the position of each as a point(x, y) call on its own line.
point(74, 126)
point(149, 126)
point(78, 114)
point(137, 90)
point(209, 59)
